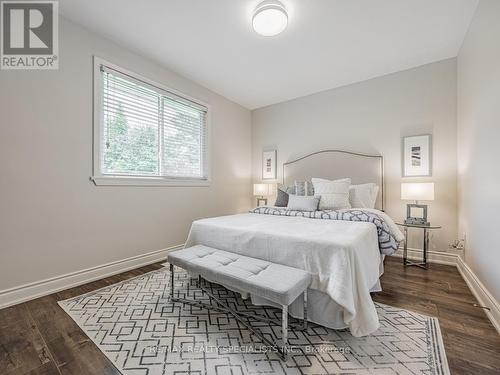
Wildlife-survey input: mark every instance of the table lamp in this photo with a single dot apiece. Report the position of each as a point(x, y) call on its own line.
point(417, 191)
point(260, 191)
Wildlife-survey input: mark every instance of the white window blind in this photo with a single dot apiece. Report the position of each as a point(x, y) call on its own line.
point(150, 132)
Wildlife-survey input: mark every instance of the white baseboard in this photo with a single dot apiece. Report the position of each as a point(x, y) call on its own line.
point(484, 297)
point(26, 292)
point(439, 257)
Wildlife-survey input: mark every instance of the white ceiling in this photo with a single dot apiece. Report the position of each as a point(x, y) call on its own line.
point(328, 43)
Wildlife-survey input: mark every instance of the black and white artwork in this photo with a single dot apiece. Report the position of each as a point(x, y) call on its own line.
point(269, 165)
point(417, 156)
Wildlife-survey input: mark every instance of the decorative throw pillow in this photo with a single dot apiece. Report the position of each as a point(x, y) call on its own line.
point(282, 195)
point(334, 195)
point(363, 196)
point(304, 188)
point(281, 198)
point(290, 190)
point(302, 203)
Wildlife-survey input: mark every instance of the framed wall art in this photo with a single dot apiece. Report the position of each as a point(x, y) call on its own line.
point(417, 156)
point(269, 165)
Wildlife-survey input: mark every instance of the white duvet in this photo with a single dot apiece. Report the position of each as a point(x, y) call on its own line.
point(342, 256)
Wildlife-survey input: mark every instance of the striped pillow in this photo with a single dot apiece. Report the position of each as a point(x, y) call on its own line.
point(304, 188)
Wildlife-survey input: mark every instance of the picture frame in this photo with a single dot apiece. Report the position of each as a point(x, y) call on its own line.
point(417, 156)
point(269, 165)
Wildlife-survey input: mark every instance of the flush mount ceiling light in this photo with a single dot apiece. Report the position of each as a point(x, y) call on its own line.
point(269, 18)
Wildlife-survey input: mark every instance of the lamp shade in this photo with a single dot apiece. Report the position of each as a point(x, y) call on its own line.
point(417, 191)
point(261, 189)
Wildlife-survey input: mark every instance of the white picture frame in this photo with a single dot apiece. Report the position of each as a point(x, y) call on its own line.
point(269, 165)
point(417, 156)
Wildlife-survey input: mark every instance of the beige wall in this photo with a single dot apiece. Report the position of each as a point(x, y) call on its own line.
point(478, 144)
point(371, 117)
point(53, 220)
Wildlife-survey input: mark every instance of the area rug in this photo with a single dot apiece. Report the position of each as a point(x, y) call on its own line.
point(136, 326)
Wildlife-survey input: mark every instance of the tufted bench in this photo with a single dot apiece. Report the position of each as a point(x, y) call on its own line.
point(275, 282)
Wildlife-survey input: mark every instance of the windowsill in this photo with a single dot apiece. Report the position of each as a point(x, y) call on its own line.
point(145, 181)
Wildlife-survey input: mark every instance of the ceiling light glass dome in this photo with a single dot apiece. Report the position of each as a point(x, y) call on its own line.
point(270, 18)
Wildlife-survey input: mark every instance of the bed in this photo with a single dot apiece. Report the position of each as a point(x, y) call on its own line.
point(343, 250)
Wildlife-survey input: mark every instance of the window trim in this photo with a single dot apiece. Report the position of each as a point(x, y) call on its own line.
point(100, 179)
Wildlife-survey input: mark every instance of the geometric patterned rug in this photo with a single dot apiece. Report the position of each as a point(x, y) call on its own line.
point(136, 326)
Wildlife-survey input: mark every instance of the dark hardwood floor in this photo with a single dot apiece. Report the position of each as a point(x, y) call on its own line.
point(37, 337)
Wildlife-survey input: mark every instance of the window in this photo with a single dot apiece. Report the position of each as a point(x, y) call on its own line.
point(145, 134)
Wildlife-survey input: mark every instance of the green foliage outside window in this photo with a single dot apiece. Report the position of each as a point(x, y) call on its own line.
point(130, 149)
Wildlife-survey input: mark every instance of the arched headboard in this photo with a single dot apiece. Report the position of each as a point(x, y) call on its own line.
point(336, 164)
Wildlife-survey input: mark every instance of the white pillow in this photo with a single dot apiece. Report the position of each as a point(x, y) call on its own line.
point(363, 196)
point(302, 203)
point(334, 195)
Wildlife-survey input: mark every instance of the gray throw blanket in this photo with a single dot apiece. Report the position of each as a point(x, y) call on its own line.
point(388, 238)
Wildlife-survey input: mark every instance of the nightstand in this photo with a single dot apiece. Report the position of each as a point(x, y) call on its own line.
point(261, 199)
point(427, 229)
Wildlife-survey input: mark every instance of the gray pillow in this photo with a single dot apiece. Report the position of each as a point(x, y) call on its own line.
point(281, 199)
point(300, 203)
point(282, 195)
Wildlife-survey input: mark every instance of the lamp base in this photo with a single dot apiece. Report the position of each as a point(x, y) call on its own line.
point(261, 199)
point(412, 219)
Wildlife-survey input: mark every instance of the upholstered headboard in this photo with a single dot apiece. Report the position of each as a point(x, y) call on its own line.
point(335, 164)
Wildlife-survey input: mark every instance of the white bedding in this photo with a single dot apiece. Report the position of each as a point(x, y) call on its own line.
point(343, 258)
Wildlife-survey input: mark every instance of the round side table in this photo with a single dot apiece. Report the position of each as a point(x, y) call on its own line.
point(427, 228)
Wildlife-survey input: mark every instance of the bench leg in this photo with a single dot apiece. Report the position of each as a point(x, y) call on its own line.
point(237, 315)
point(171, 280)
point(284, 330)
point(305, 310)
